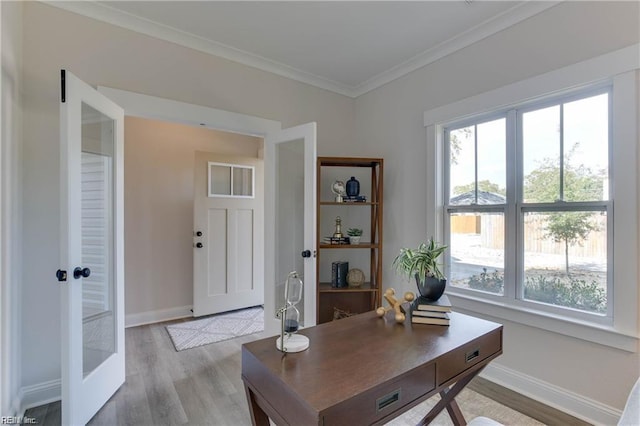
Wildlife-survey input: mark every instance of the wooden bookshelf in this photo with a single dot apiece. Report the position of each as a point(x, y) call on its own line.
point(367, 296)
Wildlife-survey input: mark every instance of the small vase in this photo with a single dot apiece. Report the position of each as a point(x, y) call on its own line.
point(354, 240)
point(432, 288)
point(353, 187)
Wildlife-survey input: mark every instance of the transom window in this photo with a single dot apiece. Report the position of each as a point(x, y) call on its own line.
point(527, 204)
point(230, 180)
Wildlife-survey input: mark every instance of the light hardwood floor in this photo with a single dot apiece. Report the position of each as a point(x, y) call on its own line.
point(202, 386)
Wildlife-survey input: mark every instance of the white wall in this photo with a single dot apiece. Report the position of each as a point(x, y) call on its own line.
point(565, 34)
point(102, 54)
point(11, 129)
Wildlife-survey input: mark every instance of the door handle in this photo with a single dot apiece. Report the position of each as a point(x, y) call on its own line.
point(81, 272)
point(306, 253)
point(199, 245)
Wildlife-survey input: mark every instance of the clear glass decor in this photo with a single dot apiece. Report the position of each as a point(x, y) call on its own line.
point(290, 317)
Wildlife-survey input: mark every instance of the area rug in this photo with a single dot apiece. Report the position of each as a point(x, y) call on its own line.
point(216, 328)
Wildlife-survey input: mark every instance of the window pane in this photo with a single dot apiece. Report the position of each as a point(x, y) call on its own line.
point(477, 251)
point(541, 155)
point(243, 181)
point(492, 173)
point(565, 259)
point(220, 180)
point(586, 146)
point(462, 160)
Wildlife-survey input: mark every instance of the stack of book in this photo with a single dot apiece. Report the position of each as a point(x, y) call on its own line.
point(336, 240)
point(424, 311)
point(354, 199)
point(339, 271)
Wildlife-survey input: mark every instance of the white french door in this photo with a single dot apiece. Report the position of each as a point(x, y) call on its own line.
point(290, 219)
point(91, 271)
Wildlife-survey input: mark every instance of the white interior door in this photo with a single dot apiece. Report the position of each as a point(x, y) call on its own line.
point(228, 237)
point(290, 219)
point(91, 249)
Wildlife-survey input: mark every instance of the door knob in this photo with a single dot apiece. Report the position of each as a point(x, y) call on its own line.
point(199, 234)
point(306, 253)
point(61, 275)
point(199, 245)
point(81, 272)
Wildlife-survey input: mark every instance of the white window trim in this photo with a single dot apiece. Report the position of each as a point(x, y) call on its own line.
point(231, 167)
point(620, 69)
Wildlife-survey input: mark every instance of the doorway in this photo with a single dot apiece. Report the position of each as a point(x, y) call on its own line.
point(160, 163)
point(145, 106)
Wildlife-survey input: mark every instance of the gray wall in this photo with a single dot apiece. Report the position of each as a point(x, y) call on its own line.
point(565, 34)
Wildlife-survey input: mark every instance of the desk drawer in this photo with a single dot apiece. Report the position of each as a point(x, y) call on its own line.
point(457, 361)
point(383, 400)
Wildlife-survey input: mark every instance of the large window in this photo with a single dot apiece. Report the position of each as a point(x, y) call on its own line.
point(536, 190)
point(527, 207)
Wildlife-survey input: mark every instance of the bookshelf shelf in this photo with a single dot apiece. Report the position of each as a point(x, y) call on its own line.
point(364, 288)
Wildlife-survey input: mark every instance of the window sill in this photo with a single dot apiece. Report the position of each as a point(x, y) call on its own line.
point(601, 334)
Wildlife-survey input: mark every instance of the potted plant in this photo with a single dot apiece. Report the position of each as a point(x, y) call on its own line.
point(422, 263)
point(354, 235)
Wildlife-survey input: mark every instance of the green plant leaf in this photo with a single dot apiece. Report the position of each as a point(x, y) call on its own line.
point(420, 261)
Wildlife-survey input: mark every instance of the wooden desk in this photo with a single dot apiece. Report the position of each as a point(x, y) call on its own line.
point(364, 370)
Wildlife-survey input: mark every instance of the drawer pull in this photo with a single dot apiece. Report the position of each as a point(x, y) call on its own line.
point(470, 356)
point(388, 400)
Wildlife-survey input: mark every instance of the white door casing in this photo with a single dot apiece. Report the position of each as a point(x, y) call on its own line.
point(290, 219)
point(91, 234)
point(228, 257)
point(153, 107)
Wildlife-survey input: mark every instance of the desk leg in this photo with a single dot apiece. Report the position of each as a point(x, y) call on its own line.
point(258, 416)
point(454, 410)
point(448, 401)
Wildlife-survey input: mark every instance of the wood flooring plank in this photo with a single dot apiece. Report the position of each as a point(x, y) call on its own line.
point(136, 338)
point(37, 413)
point(108, 414)
point(194, 402)
point(532, 408)
point(54, 414)
point(134, 408)
point(166, 407)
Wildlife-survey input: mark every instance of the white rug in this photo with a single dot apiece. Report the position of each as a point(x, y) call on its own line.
point(216, 328)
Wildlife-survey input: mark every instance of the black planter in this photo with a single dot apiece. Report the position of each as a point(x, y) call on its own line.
point(432, 288)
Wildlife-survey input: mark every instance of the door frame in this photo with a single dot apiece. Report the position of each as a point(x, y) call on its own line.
point(156, 108)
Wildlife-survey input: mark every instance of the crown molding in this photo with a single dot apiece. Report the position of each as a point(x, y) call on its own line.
point(116, 17)
point(481, 31)
point(125, 20)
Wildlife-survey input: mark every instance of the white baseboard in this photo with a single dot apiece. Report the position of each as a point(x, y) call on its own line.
point(564, 400)
point(40, 394)
point(150, 317)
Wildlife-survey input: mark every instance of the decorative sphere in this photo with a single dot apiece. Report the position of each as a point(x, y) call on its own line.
point(390, 292)
point(380, 311)
point(399, 317)
point(338, 188)
point(409, 297)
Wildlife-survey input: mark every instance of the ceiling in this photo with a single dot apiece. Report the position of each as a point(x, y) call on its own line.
point(349, 47)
